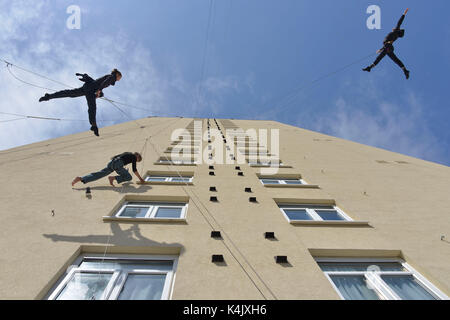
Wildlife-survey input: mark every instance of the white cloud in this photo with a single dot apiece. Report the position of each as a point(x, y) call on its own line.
point(25, 42)
point(399, 127)
point(44, 45)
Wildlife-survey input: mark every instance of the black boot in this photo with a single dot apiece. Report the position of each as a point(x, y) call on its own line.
point(46, 97)
point(406, 72)
point(95, 129)
point(367, 69)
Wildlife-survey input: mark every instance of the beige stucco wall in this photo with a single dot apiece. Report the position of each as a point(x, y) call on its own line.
point(405, 205)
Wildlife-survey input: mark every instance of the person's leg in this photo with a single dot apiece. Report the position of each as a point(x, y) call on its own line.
point(123, 174)
point(92, 112)
point(97, 175)
point(70, 93)
point(399, 63)
point(377, 60)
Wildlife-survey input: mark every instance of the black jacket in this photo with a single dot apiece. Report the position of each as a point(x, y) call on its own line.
point(396, 33)
point(127, 158)
point(99, 84)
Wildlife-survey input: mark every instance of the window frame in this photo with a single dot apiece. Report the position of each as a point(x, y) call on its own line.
point(119, 277)
point(282, 181)
point(153, 207)
point(267, 163)
point(169, 178)
point(176, 162)
point(311, 212)
point(374, 277)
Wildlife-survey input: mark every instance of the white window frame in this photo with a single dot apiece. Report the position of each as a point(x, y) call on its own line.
point(117, 281)
point(374, 277)
point(169, 178)
point(312, 212)
point(175, 162)
point(153, 207)
point(282, 181)
point(265, 163)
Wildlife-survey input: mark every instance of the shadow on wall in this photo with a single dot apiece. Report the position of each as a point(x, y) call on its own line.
point(124, 188)
point(123, 237)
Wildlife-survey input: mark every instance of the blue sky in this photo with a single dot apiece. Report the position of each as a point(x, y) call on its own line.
point(251, 58)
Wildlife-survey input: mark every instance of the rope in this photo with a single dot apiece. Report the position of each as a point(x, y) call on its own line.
point(288, 98)
point(218, 224)
point(205, 49)
point(198, 208)
point(212, 227)
point(9, 65)
point(13, 119)
point(121, 191)
point(23, 116)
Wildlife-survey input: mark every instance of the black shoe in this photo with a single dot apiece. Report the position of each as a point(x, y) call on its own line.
point(46, 97)
point(367, 69)
point(95, 129)
point(406, 73)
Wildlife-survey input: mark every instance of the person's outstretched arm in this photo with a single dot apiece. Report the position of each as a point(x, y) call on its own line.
point(399, 23)
point(139, 176)
point(84, 77)
point(135, 171)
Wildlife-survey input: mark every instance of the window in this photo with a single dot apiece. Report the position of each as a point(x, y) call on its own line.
point(305, 212)
point(152, 178)
point(152, 210)
point(253, 152)
point(377, 280)
point(277, 181)
point(265, 163)
point(168, 161)
point(96, 277)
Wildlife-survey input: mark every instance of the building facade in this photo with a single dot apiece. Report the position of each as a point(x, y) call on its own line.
point(231, 209)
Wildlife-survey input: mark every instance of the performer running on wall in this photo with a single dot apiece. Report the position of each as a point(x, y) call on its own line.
point(116, 164)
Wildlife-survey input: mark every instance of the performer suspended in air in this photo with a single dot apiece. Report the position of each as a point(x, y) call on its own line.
point(388, 48)
point(92, 89)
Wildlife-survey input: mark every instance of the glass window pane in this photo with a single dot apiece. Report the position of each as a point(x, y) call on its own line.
point(182, 179)
point(168, 213)
point(407, 287)
point(143, 287)
point(155, 179)
point(270, 181)
point(354, 288)
point(360, 266)
point(95, 264)
point(292, 181)
point(309, 206)
point(85, 286)
point(329, 215)
point(134, 212)
point(169, 204)
point(297, 214)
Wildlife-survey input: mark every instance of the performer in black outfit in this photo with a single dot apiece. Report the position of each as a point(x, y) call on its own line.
point(388, 48)
point(92, 89)
point(116, 164)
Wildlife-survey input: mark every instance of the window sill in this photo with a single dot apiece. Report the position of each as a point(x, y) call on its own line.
point(330, 223)
point(302, 186)
point(269, 166)
point(144, 220)
point(166, 183)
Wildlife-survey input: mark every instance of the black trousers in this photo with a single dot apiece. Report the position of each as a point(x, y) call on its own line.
point(388, 49)
point(79, 92)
